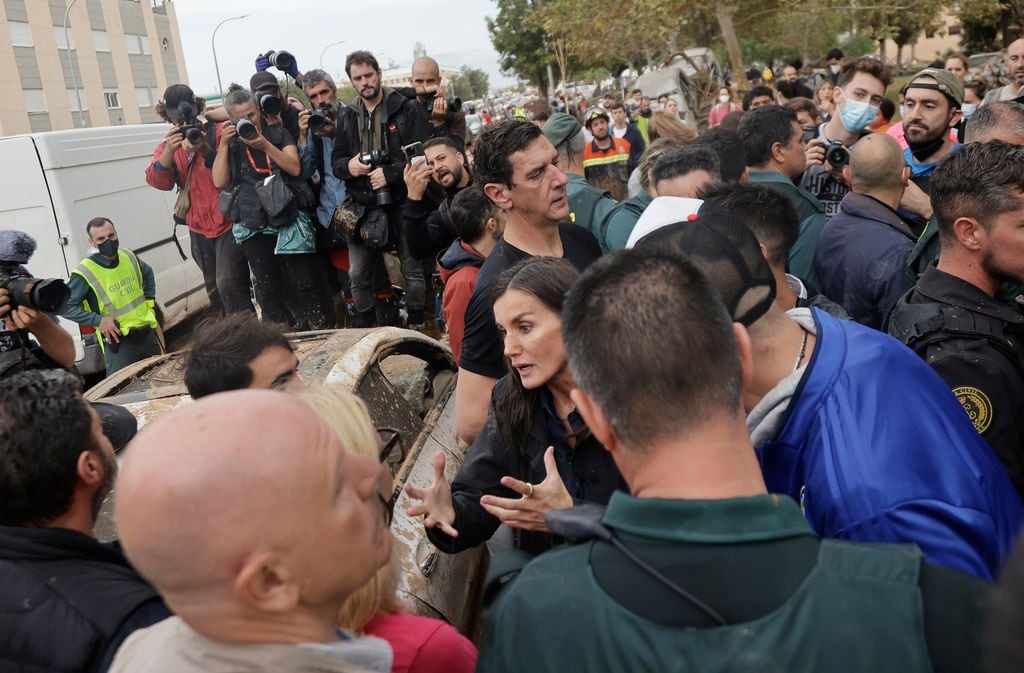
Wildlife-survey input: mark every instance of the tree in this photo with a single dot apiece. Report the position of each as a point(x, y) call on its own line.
point(519, 38)
point(470, 83)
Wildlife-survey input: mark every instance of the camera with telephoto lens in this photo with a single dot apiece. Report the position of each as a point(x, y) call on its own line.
point(454, 104)
point(319, 118)
point(269, 103)
point(837, 154)
point(190, 125)
point(43, 294)
point(281, 60)
point(245, 129)
point(376, 159)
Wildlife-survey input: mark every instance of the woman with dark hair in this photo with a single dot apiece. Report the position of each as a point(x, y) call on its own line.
point(534, 454)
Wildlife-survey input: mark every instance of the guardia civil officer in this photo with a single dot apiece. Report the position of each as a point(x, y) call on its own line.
point(114, 291)
point(959, 317)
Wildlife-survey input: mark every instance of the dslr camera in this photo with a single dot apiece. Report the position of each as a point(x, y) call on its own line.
point(320, 117)
point(190, 124)
point(269, 103)
point(837, 154)
point(454, 104)
point(376, 159)
point(43, 294)
point(245, 129)
point(281, 60)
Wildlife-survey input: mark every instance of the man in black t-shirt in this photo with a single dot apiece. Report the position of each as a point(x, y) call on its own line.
point(517, 168)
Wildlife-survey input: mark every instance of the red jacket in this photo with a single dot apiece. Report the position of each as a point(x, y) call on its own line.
point(204, 216)
point(459, 266)
point(423, 645)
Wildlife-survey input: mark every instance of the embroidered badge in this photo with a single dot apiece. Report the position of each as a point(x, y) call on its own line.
point(977, 405)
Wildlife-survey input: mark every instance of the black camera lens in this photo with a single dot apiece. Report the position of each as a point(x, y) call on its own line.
point(837, 155)
point(317, 120)
point(281, 60)
point(454, 104)
point(44, 294)
point(246, 129)
point(382, 196)
point(270, 104)
point(194, 135)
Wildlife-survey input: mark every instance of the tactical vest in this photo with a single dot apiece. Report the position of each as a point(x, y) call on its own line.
point(921, 326)
point(859, 609)
point(119, 292)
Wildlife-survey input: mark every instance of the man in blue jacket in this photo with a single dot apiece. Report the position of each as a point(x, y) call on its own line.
point(852, 425)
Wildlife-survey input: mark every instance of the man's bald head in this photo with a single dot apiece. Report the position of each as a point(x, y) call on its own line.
point(426, 76)
point(240, 487)
point(876, 164)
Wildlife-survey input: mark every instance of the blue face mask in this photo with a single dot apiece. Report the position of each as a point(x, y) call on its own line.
point(968, 109)
point(857, 116)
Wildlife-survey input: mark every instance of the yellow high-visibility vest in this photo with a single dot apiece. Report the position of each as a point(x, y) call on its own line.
point(119, 292)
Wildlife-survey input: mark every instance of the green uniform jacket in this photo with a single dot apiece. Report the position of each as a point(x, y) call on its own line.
point(812, 221)
point(81, 292)
point(618, 225)
point(588, 206)
point(851, 607)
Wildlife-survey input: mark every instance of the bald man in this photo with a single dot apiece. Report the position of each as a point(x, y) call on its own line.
point(861, 258)
point(426, 79)
point(255, 532)
point(1015, 64)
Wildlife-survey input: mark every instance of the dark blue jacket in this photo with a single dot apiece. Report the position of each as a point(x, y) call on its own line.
point(861, 260)
point(876, 448)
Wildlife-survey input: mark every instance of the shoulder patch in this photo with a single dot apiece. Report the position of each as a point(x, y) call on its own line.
point(977, 405)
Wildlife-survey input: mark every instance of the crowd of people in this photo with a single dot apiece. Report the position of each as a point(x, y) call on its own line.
point(743, 398)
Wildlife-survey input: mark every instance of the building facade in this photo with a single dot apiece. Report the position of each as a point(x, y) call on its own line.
point(124, 54)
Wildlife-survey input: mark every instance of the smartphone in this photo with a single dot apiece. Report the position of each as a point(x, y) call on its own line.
point(412, 150)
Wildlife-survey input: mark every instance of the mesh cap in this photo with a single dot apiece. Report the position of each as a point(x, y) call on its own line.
point(729, 255)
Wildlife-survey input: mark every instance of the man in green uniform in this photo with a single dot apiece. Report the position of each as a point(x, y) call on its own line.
point(114, 292)
point(700, 569)
point(774, 144)
point(588, 206)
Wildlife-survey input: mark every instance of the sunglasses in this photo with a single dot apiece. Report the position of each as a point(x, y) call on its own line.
point(392, 449)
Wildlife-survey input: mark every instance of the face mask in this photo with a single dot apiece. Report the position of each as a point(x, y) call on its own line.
point(108, 248)
point(834, 69)
point(724, 98)
point(923, 150)
point(968, 109)
point(903, 112)
point(856, 116)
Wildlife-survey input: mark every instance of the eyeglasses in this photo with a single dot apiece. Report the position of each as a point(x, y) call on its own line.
point(392, 449)
point(389, 508)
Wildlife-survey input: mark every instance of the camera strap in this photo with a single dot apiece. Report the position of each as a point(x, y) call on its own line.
point(269, 170)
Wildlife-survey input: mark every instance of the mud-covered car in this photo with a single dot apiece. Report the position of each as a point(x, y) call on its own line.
point(408, 382)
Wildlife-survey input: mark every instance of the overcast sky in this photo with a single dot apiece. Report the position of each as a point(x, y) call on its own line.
point(453, 31)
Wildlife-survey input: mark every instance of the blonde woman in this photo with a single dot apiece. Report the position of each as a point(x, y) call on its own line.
point(823, 99)
point(420, 644)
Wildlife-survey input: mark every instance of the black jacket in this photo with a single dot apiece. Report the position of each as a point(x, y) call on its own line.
point(403, 125)
point(66, 600)
point(861, 258)
point(428, 227)
point(636, 145)
point(976, 344)
point(492, 457)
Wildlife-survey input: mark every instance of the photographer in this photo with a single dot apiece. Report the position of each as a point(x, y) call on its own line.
point(250, 151)
point(368, 155)
point(445, 121)
point(441, 171)
point(178, 162)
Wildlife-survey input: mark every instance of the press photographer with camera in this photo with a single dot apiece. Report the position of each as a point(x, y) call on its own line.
point(446, 116)
point(368, 156)
point(859, 90)
point(278, 243)
point(184, 160)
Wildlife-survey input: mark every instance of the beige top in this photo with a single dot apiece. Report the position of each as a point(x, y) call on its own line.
point(173, 647)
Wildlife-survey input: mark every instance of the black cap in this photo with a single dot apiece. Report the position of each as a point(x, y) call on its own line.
point(176, 94)
point(729, 255)
point(262, 80)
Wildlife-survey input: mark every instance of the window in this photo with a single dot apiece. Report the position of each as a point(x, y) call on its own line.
point(21, 34)
point(132, 43)
point(144, 41)
point(100, 42)
point(59, 35)
point(73, 100)
point(34, 101)
point(111, 97)
point(145, 97)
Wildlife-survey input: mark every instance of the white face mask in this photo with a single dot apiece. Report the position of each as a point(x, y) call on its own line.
point(724, 98)
point(834, 69)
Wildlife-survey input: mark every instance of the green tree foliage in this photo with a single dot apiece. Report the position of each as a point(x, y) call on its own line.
point(470, 83)
point(520, 40)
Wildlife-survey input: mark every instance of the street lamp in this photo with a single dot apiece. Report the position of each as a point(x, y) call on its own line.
point(72, 64)
point(324, 50)
point(213, 45)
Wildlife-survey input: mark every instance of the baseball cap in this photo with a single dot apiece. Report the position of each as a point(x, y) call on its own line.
point(261, 80)
point(726, 251)
point(945, 81)
point(596, 113)
point(178, 93)
point(560, 127)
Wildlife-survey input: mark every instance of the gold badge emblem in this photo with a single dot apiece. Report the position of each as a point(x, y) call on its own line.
point(977, 405)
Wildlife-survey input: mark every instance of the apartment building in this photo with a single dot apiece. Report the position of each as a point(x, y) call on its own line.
point(121, 54)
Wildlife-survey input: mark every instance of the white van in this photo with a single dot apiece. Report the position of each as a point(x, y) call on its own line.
point(53, 183)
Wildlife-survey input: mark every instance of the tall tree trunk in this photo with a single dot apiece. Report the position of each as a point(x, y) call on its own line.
point(732, 44)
